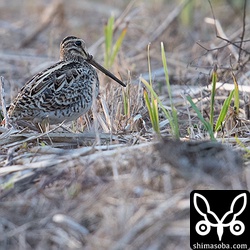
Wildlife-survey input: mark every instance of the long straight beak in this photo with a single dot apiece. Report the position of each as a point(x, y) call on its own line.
point(105, 71)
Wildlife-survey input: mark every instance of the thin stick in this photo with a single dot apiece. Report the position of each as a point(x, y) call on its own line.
point(3, 102)
point(243, 29)
point(222, 35)
point(157, 32)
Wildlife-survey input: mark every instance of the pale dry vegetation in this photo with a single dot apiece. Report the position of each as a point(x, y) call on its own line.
point(108, 181)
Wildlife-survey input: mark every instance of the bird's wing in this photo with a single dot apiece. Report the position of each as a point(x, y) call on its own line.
point(49, 89)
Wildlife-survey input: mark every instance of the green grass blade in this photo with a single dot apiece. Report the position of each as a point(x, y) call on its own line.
point(126, 102)
point(153, 112)
point(175, 125)
point(149, 66)
point(156, 115)
point(149, 87)
point(108, 32)
point(155, 96)
point(111, 50)
point(155, 100)
point(214, 80)
point(117, 46)
point(187, 14)
point(223, 111)
point(236, 95)
point(147, 102)
point(206, 124)
point(246, 149)
point(164, 62)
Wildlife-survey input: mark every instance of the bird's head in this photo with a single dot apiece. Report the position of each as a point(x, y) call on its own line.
point(74, 49)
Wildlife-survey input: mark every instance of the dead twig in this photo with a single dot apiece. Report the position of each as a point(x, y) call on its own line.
point(148, 221)
point(243, 29)
point(221, 35)
point(161, 28)
point(3, 102)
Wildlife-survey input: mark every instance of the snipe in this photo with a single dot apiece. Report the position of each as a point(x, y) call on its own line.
point(62, 92)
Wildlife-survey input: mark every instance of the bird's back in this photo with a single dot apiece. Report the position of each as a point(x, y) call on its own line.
point(60, 93)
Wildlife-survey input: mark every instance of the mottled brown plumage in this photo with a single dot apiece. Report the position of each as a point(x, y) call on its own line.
point(62, 92)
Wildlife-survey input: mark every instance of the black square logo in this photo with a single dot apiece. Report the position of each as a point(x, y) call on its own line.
point(219, 219)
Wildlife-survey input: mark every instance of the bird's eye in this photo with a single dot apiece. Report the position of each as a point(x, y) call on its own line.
point(78, 43)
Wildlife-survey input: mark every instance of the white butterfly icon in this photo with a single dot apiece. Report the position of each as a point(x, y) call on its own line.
point(203, 227)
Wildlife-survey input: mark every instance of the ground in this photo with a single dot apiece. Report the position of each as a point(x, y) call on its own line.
point(108, 181)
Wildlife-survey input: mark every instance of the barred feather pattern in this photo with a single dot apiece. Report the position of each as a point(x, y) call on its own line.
point(62, 92)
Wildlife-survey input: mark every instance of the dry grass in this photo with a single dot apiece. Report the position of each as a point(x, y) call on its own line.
point(107, 181)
